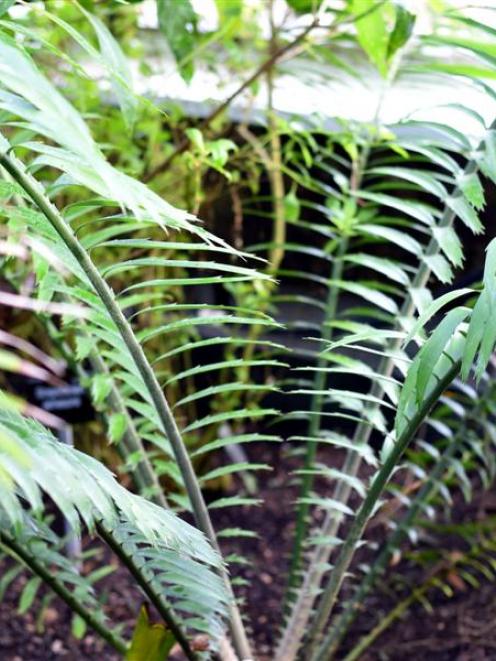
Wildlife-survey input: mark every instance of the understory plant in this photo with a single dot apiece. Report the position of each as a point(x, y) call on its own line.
point(394, 370)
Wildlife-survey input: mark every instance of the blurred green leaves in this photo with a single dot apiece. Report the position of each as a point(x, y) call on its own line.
point(303, 6)
point(177, 22)
point(5, 6)
point(382, 29)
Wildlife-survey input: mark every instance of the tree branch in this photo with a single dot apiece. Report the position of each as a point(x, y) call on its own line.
point(263, 68)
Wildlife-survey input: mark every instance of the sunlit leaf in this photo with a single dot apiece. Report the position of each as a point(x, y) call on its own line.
point(150, 641)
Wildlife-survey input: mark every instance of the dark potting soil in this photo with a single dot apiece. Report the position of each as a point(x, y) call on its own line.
point(460, 628)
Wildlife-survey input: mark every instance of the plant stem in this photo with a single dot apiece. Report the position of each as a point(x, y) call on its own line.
point(276, 254)
point(156, 599)
point(144, 475)
point(316, 404)
point(37, 194)
point(272, 160)
point(348, 548)
point(425, 495)
point(70, 599)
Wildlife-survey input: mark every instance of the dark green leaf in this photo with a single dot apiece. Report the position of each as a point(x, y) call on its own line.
point(303, 6)
point(177, 21)
point(403, 28)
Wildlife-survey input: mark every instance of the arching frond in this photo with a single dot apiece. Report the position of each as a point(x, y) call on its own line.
point(409, 212)
point(171, 557)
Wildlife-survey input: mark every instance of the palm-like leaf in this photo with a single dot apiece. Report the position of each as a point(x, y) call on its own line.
point(177, 259)
point(121, 349)
point(379, 202)
point(172, 556)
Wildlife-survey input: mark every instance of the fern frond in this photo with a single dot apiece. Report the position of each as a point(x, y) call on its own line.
point(34, 99)
point(122, 349)
point(447, 359)
point(106, 241)
point(465, 438)
point(166, 551)
point(400, 214)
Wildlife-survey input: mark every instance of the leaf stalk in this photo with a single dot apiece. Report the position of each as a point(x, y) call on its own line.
point(70, 599)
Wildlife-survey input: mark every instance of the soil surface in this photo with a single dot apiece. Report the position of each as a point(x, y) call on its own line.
point(458, 628)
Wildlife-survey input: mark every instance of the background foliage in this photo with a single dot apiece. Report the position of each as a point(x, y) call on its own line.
point(314, 304)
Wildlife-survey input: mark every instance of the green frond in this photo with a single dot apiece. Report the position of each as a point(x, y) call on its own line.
point(82, 488)
point(173, 557)
point(407, 209)
point(34, 99)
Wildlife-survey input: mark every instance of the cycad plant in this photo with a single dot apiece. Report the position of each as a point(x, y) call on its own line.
point(116, 268)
